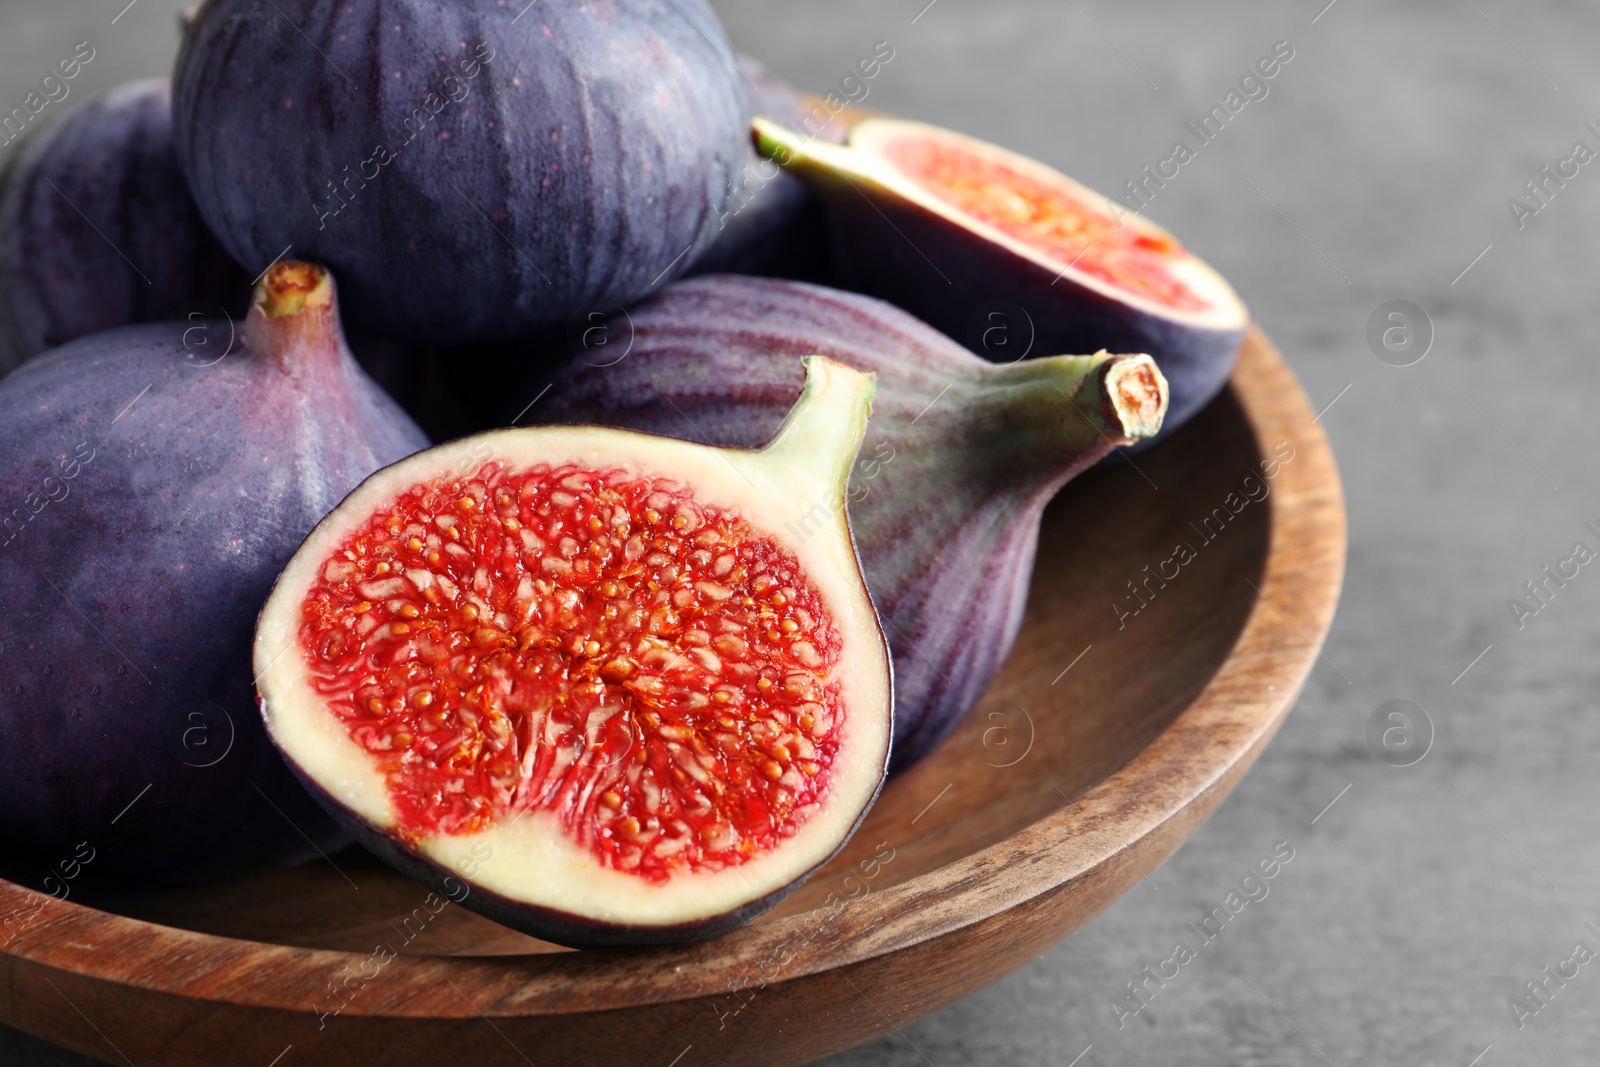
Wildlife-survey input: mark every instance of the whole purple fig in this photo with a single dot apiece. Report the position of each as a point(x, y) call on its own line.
point(97, 228)
point(153, 481)
point(961, 455)
point(470, 170)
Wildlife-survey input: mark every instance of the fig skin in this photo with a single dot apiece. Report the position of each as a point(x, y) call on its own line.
point(773, 225)
point(960, 457)
point(578, 159)
point(153, 492)
point(111, 158)
point(931, 265)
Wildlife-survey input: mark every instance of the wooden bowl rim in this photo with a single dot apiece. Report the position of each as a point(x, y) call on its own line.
point(1234, 714)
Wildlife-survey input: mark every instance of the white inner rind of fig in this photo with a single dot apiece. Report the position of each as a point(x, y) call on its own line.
point(870, 137)
point(534, 860)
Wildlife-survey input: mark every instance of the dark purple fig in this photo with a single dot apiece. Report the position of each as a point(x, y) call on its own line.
point(1010, 257)
point(154, 488)
point(469, 170)
point(960, 458)
point(595, 676)
point(773, 224)
point(97, 229)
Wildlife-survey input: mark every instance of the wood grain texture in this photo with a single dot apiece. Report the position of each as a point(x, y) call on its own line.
point(1056, 795)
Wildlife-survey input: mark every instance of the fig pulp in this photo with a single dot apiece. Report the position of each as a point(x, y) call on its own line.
point(986, 244)
point(960, 457)
point(152, 488)
point(470, 172)
point(590, 673)
point(97, 228)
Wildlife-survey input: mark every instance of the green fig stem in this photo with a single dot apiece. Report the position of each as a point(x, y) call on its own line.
point(294, 318)
point(1064, 405)
point(1123, 397)
point(809, 157)
point(812, 453)
point(1133, 395)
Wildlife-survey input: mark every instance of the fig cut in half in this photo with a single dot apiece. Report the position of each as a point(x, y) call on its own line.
point(968, 237)
point(592, 673)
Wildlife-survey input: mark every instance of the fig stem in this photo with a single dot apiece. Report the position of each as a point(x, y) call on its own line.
point(805, 154)
point(1064, 405)
point(811, 455)
point(294, 318)
point(289, 286)
point(1134, 393)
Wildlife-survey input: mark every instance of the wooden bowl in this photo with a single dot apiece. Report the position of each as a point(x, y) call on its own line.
point(1103, 744)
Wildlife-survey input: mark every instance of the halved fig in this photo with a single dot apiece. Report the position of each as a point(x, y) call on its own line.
point(592, 673)
point(971, 237)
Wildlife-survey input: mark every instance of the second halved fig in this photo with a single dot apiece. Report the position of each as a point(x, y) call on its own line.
point(592, 673)
point(1009, 256)
point(959, 461)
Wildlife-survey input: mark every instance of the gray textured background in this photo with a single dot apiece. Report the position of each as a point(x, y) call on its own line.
point(1381, 162)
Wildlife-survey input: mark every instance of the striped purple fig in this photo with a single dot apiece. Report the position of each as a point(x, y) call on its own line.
point(961, 454)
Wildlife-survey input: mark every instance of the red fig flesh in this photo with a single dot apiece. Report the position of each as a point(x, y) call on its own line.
point(1048, 216)
point(593, 667)
point(960, 458)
